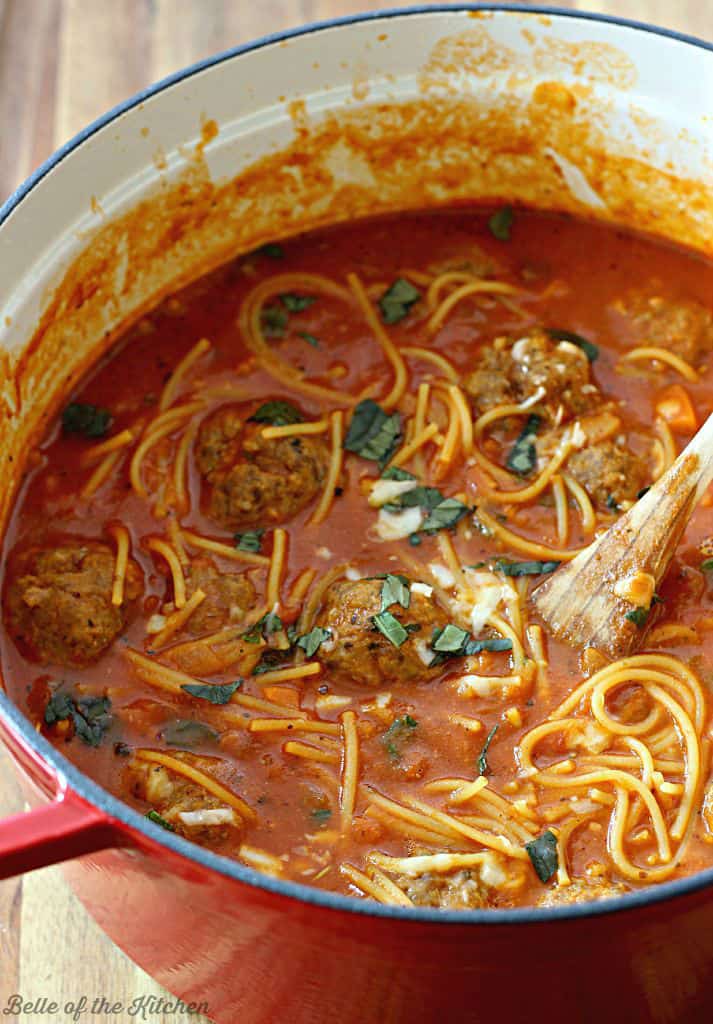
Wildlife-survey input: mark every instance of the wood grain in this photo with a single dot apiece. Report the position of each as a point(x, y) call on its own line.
point(62, 64)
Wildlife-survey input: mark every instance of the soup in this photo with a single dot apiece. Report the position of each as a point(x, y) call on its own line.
point(268, 579)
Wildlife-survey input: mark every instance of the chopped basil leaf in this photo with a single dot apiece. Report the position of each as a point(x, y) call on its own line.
point(321, 814)
point(397, 300)
point(59, 707)
point(272, 250)
point(450, 639)
point(454, 642)
point(296, 303)
point(445, 514)
point(216, 693)
point(543, 854)
point(373, 433)
point(420, 497)
point(396, 473)
point(156, 818)
point(277, 414)
point(399, 732)
point(391, 628)
point(524, 568)
point(82, 418)
point(395, 591)
point(590, 350)
point(494, 643)
point(251, 540)
point(483, 755)
point(270, 660)
point(309, 338)
point(263, 628)
point(273, 321)
point(638, 616)
point(707, 565)
point(312, 641)
point(523, 455)
point(414, 540)
point(188, 732)
point(611, 503)
point(500, 223)
point(91, 716)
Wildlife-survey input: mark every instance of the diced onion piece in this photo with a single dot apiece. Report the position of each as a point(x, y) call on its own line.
point(421, 588)
point(209, 816)
point(397, 525)
point(443, 576)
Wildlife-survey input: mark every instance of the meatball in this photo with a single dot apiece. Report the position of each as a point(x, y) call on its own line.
point(357, 651)
point(186, 806)
point(58, 603)
point(462, 890)
point(252, 481)
point(611, 474)
point(228, 596)
point(684, 326)
point(512, 370)
point(581, 891)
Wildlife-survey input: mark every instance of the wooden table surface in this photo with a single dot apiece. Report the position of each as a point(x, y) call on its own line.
point(63, 63)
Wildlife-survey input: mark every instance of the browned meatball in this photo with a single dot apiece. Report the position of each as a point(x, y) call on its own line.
point(460, 891)
point(581, 891)
point(358, 652)
point(512, 370)
point(228, 597)
point(58, 602)
point(188, 808)
point(682, 326)
point(611, 474)
point(252, 481)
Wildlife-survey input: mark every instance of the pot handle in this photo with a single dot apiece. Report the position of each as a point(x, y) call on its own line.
point(64, 828)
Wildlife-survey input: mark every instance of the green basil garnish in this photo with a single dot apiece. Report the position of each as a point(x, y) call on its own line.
point(273, 321)
point(500, 223)
point(312, 641)
point(156, 818)
point(395, 591)
point(400, 731)
point(277, 414)
point(251, 540)
point(272, 250)
point(524, 568)
point(543, 854)
point(638, 616)
point(89, 420)
point(215, 693)
point(397, 300)
point(373, 433)
point(444, 515)
point(590, 350)
point(523, 455)
point(91, 716)
point(188, 732)
point(296, 303)
point(309, 338)
point(483, 755)
point(390, 627)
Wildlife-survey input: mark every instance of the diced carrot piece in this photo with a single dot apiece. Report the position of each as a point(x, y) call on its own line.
point(285, 695)
point(674, 405)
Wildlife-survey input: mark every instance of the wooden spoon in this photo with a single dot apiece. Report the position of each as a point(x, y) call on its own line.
point(602, 597)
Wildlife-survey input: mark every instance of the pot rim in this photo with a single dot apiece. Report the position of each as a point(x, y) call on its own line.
point(116, 809)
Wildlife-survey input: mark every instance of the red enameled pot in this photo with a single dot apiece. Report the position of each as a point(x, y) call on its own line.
point(250, 948)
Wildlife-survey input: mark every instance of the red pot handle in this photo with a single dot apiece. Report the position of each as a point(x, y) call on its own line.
point(65, 828)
